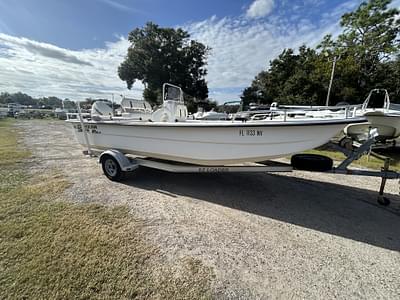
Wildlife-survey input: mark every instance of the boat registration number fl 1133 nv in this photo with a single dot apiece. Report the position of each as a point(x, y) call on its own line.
point(250, 132)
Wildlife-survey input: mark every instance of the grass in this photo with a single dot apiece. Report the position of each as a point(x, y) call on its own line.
point(55, 249)
point(365, 161)
point(9, 154)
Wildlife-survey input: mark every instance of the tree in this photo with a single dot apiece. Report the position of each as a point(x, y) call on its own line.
point(206, 104)
point(68, 104)
point(370, 36)
point(291, 79)
point(366, 50)
point(159, 55)
point(27, 100)
point(5, 98)
point(251, 94)
point(19, 97)
point(389, 78)
point(52, 102)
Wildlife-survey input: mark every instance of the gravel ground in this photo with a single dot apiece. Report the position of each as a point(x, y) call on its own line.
point(296, 235)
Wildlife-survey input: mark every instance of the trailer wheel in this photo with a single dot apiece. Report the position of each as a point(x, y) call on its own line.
point(346, 143)
point(311, 162)
point(111, 168)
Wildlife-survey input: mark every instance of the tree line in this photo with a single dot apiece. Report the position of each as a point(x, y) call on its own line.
point(29, 101)
point(42, 102)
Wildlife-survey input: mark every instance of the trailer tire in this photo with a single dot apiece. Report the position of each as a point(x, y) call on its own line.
point(311, 162)
point(346, 143)
point(111, 168)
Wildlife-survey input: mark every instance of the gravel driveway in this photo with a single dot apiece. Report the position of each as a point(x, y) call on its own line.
point(297, 235)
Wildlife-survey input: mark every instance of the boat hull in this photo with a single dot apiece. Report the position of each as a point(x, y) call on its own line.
point(388, 126)
point(217, 143)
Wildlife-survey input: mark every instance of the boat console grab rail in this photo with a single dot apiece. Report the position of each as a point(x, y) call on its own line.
point(348, 111)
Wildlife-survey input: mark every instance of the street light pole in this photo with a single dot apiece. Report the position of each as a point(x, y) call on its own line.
point(112, 103)
point(335, 59)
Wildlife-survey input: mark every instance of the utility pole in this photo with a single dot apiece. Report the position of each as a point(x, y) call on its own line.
point(335, 59)
point(112, 103)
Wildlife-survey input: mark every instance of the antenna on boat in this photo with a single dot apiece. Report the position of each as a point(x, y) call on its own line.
point(334, 61)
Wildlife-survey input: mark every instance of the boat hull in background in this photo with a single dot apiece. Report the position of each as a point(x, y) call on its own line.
point(387, 124)
point(209, 143)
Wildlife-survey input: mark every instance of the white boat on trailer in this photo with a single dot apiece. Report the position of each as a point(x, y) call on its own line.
point(211, 143)
point(180, 146)
point(170, 136)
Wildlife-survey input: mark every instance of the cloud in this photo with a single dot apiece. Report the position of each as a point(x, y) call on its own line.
point(116, 5)
point(42, 69)
point(121, 7)
point(260, 8)
point(241, 48)
point(42, 49)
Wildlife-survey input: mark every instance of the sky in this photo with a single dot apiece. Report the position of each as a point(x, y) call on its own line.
point(72, 48)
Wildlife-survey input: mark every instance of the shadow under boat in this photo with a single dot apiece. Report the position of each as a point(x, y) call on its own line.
point(326, 207)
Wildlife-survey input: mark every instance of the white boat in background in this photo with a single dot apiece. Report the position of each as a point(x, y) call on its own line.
point(306, 113)
point(131, 109)
point(134, 108)
point(101, 110)
point(387, 123)
point(168, 135)
point(210, 115)
point(380, 116)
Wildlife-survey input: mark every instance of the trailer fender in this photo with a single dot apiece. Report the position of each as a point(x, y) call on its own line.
point(124, 162)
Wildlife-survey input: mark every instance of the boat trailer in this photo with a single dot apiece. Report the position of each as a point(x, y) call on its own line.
point(115, 164)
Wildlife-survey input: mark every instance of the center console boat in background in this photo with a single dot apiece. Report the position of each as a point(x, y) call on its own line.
point(131, 109)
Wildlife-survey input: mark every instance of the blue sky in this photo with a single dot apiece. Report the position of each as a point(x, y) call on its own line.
point(80, 24)
point(77, 24)
point(72, 48)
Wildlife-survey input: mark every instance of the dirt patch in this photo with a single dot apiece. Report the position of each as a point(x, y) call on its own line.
point(300, 235)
